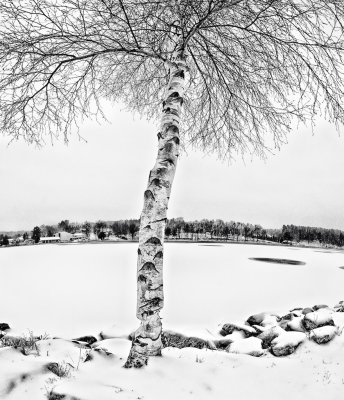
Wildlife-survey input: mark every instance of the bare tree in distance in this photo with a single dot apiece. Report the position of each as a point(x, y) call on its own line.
point(219, 75)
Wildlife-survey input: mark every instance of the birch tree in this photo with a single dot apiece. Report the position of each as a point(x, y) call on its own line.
point(224, 76)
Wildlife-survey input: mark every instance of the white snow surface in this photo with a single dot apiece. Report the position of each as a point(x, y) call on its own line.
point(72, 290)
point(81, 289)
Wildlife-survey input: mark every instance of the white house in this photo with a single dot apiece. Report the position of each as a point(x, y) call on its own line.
point(64, 236)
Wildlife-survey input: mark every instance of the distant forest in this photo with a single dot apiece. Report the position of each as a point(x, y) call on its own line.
point(179, 229)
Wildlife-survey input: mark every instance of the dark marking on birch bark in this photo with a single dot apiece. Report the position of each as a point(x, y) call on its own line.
point(159, 135)
point(173, 95)
point(149, 195)
point(139, 252)
point(155, 182)
point(154, 240)
point(159, 254)
point(148, 267)
point(161, 220)
point(168, 147)
point(168, 161)
point(161, 171)
point(152, 304)
point(175, 139)
point(142, 278)
point(179, 74)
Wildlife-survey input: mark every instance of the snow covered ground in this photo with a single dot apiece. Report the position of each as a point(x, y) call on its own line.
point(73, 290)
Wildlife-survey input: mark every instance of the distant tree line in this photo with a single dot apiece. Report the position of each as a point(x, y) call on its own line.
point(309, 234)
point(179, 229)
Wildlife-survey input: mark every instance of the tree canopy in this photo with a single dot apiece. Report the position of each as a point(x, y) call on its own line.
point(254, 65)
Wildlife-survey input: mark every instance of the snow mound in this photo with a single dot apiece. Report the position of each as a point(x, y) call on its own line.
point(251, 346)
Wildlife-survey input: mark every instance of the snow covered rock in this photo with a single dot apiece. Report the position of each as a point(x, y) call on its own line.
point(316, 319)
point(86, 339)
point(320, 306)
point(296, 325)
point(286, 343)
point(229, 328)
point(339, 307)
point(251, 346)
point(323, 334)
point(307, 310)
point(269, 335)
point(223, 344)
point(263, 319)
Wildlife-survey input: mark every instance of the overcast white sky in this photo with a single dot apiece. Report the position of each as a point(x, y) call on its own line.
point(303, 183)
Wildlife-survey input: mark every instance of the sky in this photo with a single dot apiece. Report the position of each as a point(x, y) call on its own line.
point(103, 176)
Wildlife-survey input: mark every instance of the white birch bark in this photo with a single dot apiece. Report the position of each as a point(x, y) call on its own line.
point(150, 294)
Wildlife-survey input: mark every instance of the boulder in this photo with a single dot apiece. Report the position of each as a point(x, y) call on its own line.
point(320, 306)
point(229, 328)
point(307, 310)
point(286, 343)
point(296, 325)
point(251, 346)
point(4, 326)
point(223, 344)
point(269, 335)
point(256, 319)
point(86, 339)
point(323, 334)
point(316, 319)
point(263, 319)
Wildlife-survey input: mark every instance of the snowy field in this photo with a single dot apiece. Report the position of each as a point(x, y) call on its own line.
point(82, 289)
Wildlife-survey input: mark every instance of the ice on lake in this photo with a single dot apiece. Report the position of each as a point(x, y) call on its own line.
point(77, 289)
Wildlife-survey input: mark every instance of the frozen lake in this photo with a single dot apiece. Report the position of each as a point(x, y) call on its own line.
point(79, 289)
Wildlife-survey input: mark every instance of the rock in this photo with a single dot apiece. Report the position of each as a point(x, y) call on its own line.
point(307, 310)
point(320, 306)
point(222, 344)
point(286, 317)
point(263, 319)
point(296, 325)
point(269, 335)
point(297, 309)
point(229, 328)
point(251, 346)
point(256, 319)
point(4, 326)
point(259, 329)
point(316, 319)
point(87, 339)
point(286, 343)
point(339, 307)
point(323, 334)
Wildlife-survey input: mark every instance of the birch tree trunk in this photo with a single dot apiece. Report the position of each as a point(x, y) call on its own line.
point(150, 294)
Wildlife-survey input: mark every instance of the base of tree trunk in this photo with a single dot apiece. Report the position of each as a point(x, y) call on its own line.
point(146, 342)
point(138, 356)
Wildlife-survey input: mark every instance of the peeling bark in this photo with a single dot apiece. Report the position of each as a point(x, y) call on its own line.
point(150, 296)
